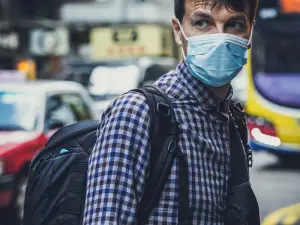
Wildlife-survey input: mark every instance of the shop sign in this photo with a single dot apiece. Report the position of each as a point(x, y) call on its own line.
point(53, 42)
point(9, 41)
point(131, 40)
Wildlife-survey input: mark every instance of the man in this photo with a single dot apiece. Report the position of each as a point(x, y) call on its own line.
point(215, 38)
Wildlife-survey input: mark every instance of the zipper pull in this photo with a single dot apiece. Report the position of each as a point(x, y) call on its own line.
point(44, 159)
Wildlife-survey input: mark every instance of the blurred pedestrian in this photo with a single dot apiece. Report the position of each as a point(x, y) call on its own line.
point(215, 36)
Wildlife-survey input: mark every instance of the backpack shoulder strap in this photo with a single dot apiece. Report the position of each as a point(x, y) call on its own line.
point(72, 130)
point(163, 134)
point(238, 114)
point(241, 203)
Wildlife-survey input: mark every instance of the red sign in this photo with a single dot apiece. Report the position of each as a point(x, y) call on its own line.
point(290, 6)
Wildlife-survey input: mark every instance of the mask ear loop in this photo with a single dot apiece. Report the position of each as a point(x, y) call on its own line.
point(182, 52)
point(251, 34)
point(181, 30)
point(180, 27)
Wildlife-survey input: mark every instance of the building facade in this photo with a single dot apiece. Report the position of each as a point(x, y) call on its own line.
point(117, 11)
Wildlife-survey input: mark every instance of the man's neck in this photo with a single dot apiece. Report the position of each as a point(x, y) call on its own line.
point(221, 92)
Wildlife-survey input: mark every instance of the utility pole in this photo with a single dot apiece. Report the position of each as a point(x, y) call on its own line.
point(5, 10)
point(124, 10)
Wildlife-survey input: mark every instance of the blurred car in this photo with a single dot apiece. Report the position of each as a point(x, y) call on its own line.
point(30, 112)
point(80, 70)
point(150, 68)
point(109, 80)
point(289, 215)
point(107, 83)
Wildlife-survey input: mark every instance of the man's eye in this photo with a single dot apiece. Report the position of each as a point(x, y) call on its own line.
point(236, 25)
point(202, 23)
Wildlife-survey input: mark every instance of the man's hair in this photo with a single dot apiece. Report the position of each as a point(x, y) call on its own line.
point(237, 5)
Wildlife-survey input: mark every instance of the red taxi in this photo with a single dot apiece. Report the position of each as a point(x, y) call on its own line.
point(29, 113)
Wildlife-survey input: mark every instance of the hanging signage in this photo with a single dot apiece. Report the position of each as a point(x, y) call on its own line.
point(131, 40)
point(53, 42)
point(125, 35)
point(9, 41)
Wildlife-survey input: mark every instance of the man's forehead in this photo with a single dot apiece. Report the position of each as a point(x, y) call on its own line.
point(208, 5)
point(202, 3)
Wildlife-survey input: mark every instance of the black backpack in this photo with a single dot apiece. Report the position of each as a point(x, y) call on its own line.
point(57, 177)
point(55, 192)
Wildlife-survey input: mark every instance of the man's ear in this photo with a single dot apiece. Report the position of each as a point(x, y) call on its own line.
point(177, 31)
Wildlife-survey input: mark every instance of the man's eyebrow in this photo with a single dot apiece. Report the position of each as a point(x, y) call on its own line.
point(201, 14)
point(238, 17)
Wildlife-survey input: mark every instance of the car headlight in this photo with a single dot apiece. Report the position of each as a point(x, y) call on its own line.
point(263, 131)
point(1, 167)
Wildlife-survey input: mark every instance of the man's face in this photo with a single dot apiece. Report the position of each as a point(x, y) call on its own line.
point(201, 18)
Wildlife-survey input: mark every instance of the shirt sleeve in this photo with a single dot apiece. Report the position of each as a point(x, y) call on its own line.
point(118, 164)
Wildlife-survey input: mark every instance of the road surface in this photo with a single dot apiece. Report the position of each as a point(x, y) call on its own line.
point(275, 185)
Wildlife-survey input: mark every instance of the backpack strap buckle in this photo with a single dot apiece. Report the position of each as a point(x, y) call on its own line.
point(237, 110)
point(249, 156)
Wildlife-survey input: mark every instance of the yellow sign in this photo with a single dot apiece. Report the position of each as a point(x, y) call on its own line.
point(132, 40)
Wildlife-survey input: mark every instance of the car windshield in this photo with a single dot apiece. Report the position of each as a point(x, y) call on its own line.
point(18, 111)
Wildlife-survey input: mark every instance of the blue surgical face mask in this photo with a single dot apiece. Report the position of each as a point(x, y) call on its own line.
point(216, 59)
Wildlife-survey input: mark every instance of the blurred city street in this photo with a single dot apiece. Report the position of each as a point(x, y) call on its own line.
point(275, 184)
point(63, 62)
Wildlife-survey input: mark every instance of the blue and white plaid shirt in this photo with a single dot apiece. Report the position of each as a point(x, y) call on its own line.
point(119, 162)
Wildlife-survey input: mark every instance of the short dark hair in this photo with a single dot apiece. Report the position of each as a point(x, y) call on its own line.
point(238, 5)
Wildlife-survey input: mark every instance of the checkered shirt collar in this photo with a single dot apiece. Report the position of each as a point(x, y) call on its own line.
point(201, 92)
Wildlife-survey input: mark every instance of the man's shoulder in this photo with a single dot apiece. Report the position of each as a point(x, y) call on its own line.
point(173, 85)
point(130, 98)
point(167, 78)
point(129, 106)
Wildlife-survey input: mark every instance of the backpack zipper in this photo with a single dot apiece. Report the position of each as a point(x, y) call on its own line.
point(44, 159)
point(30, 181)
point(55, 143)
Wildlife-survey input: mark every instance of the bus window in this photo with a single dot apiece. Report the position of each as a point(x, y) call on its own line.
point(275, 63)
point(275, 52)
